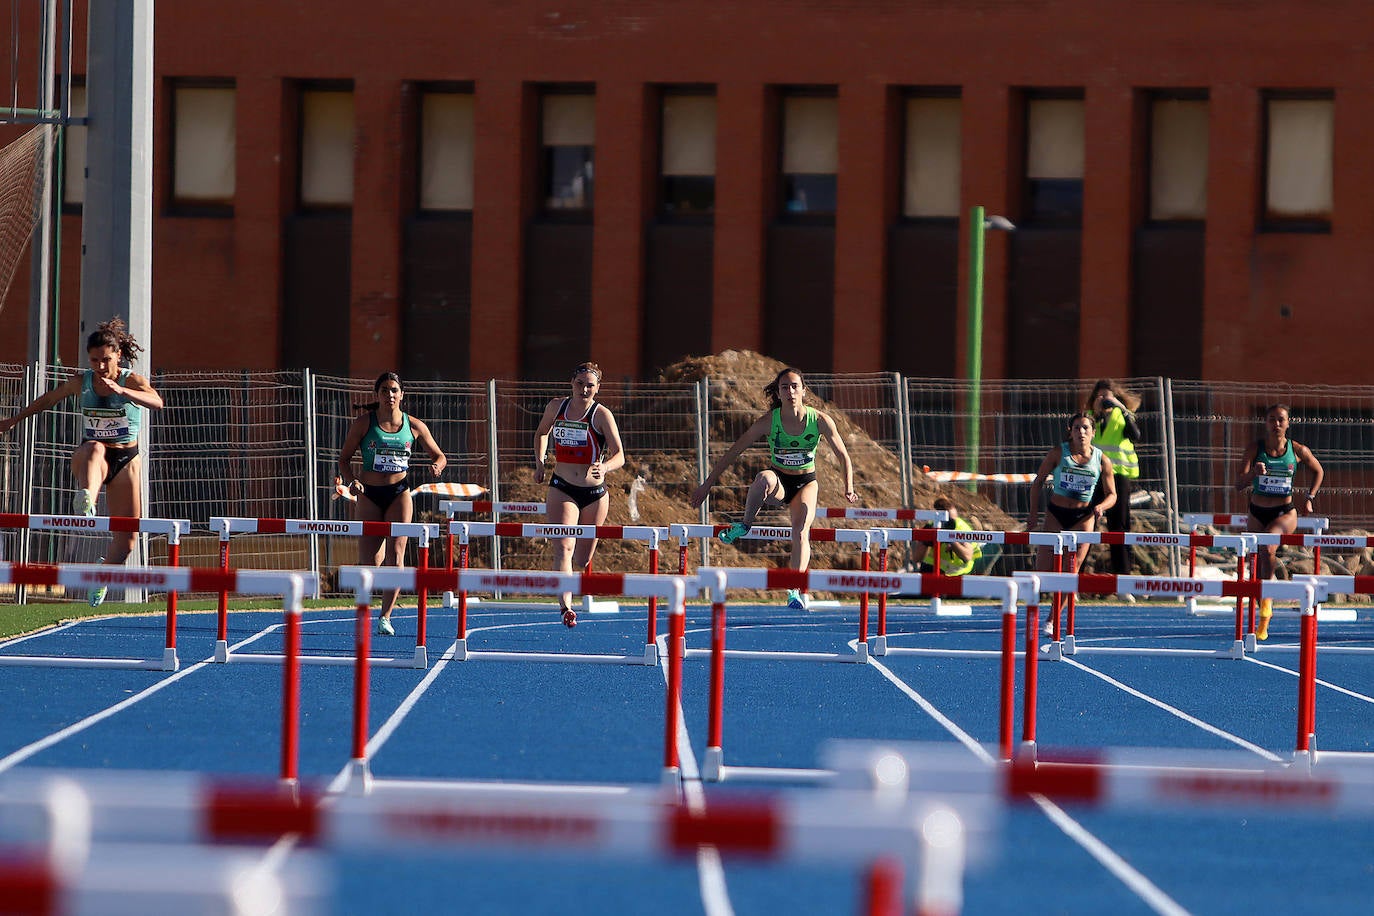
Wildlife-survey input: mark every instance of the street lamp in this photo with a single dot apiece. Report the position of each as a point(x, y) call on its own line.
point(979, 223)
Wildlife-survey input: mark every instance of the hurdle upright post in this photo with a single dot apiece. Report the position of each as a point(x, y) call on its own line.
point(714, 761)
point(1032, 672)
point(359, 776)
point(291, 683)
point(866, 565)
point(222, 625)
point(677, 635)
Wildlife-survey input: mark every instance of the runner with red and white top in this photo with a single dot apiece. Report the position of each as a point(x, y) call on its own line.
point(586, 447)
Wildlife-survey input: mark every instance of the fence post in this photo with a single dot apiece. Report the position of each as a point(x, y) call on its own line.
point(704, 456)
point(27, 450)
point(494, 457)
point(312, 512)
point(903, 438)
point(1171, 505)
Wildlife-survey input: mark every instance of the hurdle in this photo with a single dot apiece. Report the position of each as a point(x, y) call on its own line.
point(1126, 779)
point(1035, 584)
point(364, 580)
point(1313, 523)
point(1242, 544)
point(192, 579)
point(227, 527)
point(719, 580)
point(886, 535)
point(914, 846)
point(650, 535)
point(172, 529)
point(494, 508)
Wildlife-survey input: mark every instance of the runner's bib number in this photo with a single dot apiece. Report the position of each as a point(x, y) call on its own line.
point(105, 425)
point(793, 459)
point(391, 460)
point(1269, 485)
point(1077, 484)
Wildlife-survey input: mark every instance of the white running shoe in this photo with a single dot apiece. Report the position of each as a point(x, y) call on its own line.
point(384, 627)
point(83, 504)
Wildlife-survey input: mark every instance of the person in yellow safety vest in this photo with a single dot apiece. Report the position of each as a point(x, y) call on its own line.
point(1115, 432)
point(956, 557)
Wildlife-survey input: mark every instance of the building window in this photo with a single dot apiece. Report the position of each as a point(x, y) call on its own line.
point(1178, 159)
point(810, 154)
point(326, 168)
point(446, 151)
point(688, 154)
point(74, 153)
point(568, 141)
point(932, 157)
point(1299, 139)
point(203, 147)
point(1054, 160)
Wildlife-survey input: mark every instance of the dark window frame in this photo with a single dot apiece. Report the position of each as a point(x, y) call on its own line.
point(175, 206)
point(544, 168)
point(663, 212)
point(782, 212)
point(421, 90)
point(907, 94)
point(1035, 191)
point(303, 87)
point(1265, 222)
point(1152, 97)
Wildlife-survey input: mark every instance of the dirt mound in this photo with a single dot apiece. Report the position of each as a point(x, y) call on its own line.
point(737, 399)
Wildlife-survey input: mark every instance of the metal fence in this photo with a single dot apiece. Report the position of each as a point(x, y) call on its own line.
point(265, 444)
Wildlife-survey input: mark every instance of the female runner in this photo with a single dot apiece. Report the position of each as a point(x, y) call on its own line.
point(1073, 469)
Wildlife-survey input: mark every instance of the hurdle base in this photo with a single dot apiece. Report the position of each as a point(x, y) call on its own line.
point(359, 778)
point(592, 606)
point(671, 781)
point(170, 662)
point(861, 653)
point(1237, 649)
point(1070, 644)
point(713, 765)
point(1054, 652)
point(650, 653)
point(421, 657)
point(1251, 643)
point(460, 650)
point(1025, 752)
point(221, 652)
point(880, 645)
point(450, 603)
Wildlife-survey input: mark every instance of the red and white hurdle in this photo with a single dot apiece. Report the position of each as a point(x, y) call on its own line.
point(719, 580)
point(651, 536)
point(1194, 520)
point(1033, 585)
point(1126, 779)
point(915, 846)
point(365, 580)
point(170, 528)
point(227, 527)
point(291, 586)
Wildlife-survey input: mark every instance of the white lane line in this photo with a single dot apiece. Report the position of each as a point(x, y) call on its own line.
point(1118, 867)
point(1175, 711)
point(1363, 698)
point(715, 895)
point(24, 753)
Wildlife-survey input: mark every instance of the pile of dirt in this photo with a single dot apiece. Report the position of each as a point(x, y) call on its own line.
point(737, 398)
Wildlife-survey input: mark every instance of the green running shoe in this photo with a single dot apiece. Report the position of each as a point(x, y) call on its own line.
point(96, 596)
point(384, 627)
point(733, 533)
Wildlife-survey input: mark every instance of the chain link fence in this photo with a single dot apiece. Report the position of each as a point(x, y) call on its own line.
point(266, 445)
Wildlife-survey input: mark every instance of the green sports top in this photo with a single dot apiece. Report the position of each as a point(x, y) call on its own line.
point(796, 454)
point(384, 452)
point(1277, 477)
point(113, 419)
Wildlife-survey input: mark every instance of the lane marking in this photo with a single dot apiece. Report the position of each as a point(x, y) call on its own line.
point(1175, 711)
point(1363, 698)
point(1149, 893)
point(24, 753)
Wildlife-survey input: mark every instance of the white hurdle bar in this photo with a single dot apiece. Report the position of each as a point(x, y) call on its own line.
point(1126, 779)
point(649, 535)
point(227, 527)
point(912, 845)
point(718, 581)
point(1035, 584)
point(364, 580)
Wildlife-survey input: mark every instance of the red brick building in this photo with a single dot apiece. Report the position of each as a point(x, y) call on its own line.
point(469, 190)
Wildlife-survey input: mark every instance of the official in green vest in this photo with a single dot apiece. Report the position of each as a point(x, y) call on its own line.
point(1115, 432)
point(957, 558)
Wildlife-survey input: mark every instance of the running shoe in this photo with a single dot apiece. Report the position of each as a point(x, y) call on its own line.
point(1266, 611)
point(96, 596)
point(796, 600)
point(569, 618)
point(83, 504)
point(384, 627)
point(733, 533)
